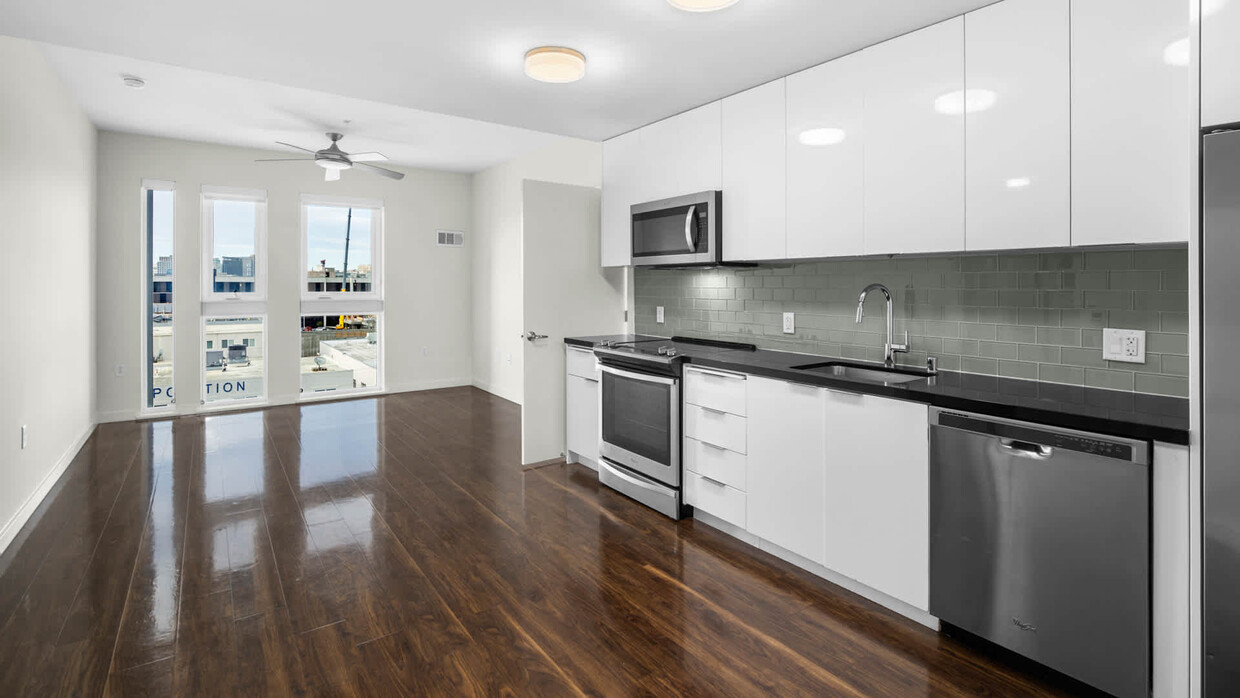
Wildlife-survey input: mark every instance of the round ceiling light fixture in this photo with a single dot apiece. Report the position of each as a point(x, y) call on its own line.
point(965, 101)
point(701, 5)
point(555, 64)
point(133, 81)
point(815, 137)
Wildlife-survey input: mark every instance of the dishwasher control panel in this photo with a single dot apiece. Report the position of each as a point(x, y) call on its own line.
point(1041, 437)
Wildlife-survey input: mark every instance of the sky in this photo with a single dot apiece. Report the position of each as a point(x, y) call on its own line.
point(234, 232)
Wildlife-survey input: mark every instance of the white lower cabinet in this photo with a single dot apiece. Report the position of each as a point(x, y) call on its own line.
point(581, 427)
point(877, 495)
point(786, 465)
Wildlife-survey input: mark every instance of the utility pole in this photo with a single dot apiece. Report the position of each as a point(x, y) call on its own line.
point(348, 226)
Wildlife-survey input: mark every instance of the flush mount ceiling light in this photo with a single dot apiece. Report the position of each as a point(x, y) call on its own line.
point(555, 64)
point(965, 101)
point(815, 137)
point(701, 5)
point(133, 81)
point(1018, 182)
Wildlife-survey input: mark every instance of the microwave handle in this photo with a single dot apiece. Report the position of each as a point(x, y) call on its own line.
point(690, 238)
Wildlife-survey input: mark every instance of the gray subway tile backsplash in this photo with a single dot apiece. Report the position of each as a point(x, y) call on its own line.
point(1029, 315)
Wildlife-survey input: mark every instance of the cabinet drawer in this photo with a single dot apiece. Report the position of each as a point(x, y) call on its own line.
point(715, 427)
point(716, 463)
point(715, 498)
point(717, 390)
point(581, 362)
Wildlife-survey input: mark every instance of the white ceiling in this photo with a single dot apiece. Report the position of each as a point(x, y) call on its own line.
point(647, 60)
point(200, 106)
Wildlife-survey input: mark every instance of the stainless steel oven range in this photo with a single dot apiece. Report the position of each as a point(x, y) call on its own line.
point(640, 420)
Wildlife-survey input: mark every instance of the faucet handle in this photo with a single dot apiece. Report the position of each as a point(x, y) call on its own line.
point(902, 348)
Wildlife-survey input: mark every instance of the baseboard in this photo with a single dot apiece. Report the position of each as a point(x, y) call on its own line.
point(480, 385)
point(116, 416)
point(428, 384)
point(15, 523)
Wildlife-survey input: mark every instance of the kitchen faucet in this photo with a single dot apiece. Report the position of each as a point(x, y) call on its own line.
point(889, 349)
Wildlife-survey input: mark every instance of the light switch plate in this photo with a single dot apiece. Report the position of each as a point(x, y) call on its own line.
point(1123, 345)
point(790, 325)
point(658, 314)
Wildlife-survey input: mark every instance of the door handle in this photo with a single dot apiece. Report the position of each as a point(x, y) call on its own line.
point(532, 335)
point(689, 237)
point(1026, 449)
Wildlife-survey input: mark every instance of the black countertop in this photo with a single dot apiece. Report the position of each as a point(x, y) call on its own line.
point(1113, 412)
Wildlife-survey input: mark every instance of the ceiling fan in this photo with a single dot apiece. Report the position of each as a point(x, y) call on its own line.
point(333, 159)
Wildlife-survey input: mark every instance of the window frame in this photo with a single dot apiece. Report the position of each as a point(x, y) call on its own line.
point(234, 402)
point(258, 197)
point(145, 302)
point(332, 303)
point(381, 368)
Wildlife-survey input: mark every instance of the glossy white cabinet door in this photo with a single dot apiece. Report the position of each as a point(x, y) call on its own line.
point(877, 528)
point(581, 428)
point(622, 187)
point(754, 174)
point(825, 142)
point(1017, 161)
point(1132, 130)
point(914, 155)
point(1220, 55)
point(685, 155)
point(785, 468)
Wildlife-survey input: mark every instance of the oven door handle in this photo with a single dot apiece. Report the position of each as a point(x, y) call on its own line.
point(636, 482)
point(645, 377)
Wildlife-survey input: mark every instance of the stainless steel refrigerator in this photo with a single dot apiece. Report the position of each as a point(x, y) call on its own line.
point(1220, 337)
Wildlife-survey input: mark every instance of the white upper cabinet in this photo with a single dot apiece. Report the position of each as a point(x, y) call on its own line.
point(825, 142)
point(1017, 162)
point(877, 501)
point(786, 464)
point(685, 153)
point(914, 142)
point(623, 168)
point(1132, 130)
point(754, 174)
point(1220, 54)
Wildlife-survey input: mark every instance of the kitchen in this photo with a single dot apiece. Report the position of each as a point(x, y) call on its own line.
point(997, 443)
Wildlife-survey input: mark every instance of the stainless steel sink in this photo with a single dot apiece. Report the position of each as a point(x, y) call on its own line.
point(866, 373)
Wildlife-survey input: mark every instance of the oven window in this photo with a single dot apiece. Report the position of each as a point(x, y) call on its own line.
point(663, 232)
point(637, 417)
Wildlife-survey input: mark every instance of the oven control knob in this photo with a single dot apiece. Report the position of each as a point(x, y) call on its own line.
point(671, 352)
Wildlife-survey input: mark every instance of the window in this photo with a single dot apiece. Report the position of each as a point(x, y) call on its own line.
point(234, 234)
point(157, 251)
point(341, 248)
point(339, 353)
point(233, 371)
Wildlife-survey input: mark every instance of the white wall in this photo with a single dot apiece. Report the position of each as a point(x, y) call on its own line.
point(47, 235)
point(496, 251)
point(427, 287)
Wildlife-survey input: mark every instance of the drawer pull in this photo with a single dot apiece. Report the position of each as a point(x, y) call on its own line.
point(712, 410)
point(731, 376)
point(712, 481)
point(709, 444)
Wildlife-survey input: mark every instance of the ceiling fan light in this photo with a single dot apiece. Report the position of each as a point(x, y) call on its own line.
point(329, 164)
point(701, 5)
point(555, 64)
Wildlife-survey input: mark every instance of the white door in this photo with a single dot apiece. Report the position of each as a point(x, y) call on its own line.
point(787, 464)
point(1017, 154)
point(914, 142)
point(755, 173)
point(565, 293)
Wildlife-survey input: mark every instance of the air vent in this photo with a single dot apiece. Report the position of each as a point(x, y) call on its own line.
point(451, 238)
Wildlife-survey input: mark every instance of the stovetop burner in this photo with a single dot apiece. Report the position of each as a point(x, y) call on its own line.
point(663, 352)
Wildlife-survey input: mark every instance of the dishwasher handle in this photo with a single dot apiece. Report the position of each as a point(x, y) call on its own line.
point(1026, 449)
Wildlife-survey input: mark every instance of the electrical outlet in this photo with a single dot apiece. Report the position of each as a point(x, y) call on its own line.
point(120, 370)
point(1123, 345)
point(790, 325)
point(23, 437)
point(658, 314)
point(508, 359)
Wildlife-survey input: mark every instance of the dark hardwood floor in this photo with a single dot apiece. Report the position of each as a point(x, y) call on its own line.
point(395, 546)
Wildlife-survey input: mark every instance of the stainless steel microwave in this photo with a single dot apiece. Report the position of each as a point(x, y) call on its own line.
point(683, 230)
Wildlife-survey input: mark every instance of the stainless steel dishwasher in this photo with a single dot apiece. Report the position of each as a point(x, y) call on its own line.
point(1040, 543)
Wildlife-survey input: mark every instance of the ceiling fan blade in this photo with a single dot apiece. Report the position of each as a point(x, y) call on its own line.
point(331, 175)
point(295, 147)
point(367, 157)
point(390, 174)
point(285, 160)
